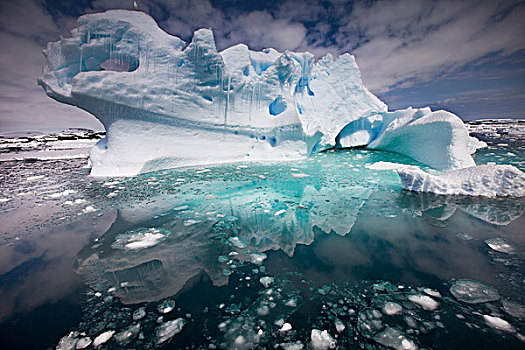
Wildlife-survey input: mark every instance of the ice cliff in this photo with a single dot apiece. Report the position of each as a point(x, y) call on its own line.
point(165, 103)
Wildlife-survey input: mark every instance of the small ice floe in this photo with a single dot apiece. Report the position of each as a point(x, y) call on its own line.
point(261, 177)
point(202, 171)
point(68, 342)
point(112, 290)
point(339, 326)
point(498, 323)
point(432, 292)
point(299, 175)
point(84, 343)
point(263, 310)
point(125, 336)
point(112, 194)
point(286, 327)
point(464, 236)
point(88, 209)
point(473, 292)
point(501, 245)
point(169, 329)
point(166, 306)
point(292, 346)
point(394, 339)
point(257, 258)
point(140, 239)
point(291, 303)
point(385, 166)
point(322, 340)
point(102, 338)
point(181, 208)
point(391, 308)
point(237, 242)
point(209, 196)
point(267, 281)
point(279, 212)
point(34, 178)
point(110, 183)
point(4, 200)
point(138, 314)
point(424, 301)
point(62, 194)
point(514, 309)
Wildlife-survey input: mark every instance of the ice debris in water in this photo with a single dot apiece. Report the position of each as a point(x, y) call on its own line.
point(62, 194)
point(498, 323)
point(140, 239)
point(391, 308)
point(266, 281)
point(292, 346)
point(237, 242)
point(84, 343)
point(102, 338)
point(166, 306)
point(322, 340)
point(68, 342)
point(432, 293)
point(393, 338)
point(424, 301)
point(139, 313)
point(169, 329)
point(473, 292)
point(257, 258)
point(501, 245)
point(514, 309)
point(124, 337)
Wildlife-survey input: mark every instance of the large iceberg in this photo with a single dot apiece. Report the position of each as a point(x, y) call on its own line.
point(165, 103)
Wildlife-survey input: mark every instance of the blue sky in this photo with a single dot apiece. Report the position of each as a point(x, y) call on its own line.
point(467, 56)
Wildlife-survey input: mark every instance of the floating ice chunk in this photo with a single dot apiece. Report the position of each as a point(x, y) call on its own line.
point(385, 166)
point(37, 177)
point(68, 342)
point(62, 194)
point(110, 183)
point(279, 212)
point(4, 200)
point(432, 292)
point(391, 308)
point(501, 245)
point(473, 292)
point(299, 175)
point(514, 309)
point(424, 301)
point(88, 209)
point(257, 258)
point(482, 180)
point(140, 239)
point(339, 326)
point(166, 306)
point(102, 338)
point(394, 339)
point(138, 314)
point(264, 310)
point(127, 334)
point(169, 329)
point(266, 281)
point(322, 340)
point(286, 327)
point(291, 303)
point(498, 323)
point(292, 346)
point(84, 343)
point(237, 242)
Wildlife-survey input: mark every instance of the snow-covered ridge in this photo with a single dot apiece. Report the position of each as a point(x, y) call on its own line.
point(165, 103)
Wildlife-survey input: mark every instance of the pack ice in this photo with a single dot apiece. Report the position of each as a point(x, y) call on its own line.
point(165, 103)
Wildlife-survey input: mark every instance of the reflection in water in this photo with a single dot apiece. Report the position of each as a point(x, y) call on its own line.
point(217, 220)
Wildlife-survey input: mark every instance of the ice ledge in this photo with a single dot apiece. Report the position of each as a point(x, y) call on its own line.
point(484, 180)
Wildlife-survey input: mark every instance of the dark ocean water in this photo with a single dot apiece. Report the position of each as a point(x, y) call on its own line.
point(260, 256)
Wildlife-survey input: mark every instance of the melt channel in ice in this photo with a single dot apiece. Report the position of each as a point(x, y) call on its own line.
point(165, 103)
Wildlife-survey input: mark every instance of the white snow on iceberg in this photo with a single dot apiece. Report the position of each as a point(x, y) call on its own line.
point(165, 103)
point(484, 180)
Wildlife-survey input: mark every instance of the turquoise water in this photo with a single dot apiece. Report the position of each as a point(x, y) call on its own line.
point(243, 249)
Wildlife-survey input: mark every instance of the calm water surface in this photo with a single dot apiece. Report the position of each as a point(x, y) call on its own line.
point(236, 252)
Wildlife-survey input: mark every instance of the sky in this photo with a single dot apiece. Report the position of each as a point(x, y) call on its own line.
point(467, 57)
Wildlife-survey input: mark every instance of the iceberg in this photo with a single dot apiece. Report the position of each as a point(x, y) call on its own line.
point(166, 103)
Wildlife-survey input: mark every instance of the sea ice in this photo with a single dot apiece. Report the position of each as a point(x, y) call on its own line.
point(501, 245)
point(498, 323)
point(266, 281)
point(83, 343)
point(169, 329)
point(391, 308)
point(424, 301)
point(102, 338)
point(322, 340)
point(236, 105)
point(473, 292)
point(483, 180)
